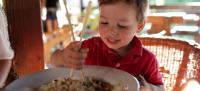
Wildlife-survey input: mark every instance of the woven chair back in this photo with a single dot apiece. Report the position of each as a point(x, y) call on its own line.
point(178, 60)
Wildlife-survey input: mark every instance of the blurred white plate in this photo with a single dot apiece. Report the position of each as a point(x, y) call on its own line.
point(111, 75)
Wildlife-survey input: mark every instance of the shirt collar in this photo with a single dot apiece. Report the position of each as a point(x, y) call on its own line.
point(136, 47)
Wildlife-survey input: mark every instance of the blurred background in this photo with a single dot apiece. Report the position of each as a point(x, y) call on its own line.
point(177, 18)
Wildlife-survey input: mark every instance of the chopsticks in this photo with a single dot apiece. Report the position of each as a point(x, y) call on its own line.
point(69, 20)
point(85, 19)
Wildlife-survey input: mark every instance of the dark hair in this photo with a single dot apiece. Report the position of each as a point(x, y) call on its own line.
point(139, 5)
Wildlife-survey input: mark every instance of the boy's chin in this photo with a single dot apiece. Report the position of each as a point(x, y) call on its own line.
point(113, 47)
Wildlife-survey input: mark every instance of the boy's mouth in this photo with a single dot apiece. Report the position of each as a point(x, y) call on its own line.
point(112, 41)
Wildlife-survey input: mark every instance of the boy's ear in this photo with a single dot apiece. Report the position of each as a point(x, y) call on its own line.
point(141, 26)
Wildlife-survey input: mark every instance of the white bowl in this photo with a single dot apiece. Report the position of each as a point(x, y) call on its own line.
point(111, 75)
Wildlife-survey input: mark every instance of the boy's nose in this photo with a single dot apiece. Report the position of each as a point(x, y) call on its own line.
point(113, 31)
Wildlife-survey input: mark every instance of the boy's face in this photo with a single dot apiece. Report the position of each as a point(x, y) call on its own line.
point(117, 25)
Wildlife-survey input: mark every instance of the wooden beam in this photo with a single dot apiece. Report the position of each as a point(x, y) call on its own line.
point(160, 23)
point(24, 20)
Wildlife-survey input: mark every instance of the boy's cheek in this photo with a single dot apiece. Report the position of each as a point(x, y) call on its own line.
point(101, 29)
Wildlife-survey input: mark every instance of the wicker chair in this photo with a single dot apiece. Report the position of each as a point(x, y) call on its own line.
point(178, 60)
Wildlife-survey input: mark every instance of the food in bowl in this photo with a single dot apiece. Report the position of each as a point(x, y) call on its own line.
point(85, 84)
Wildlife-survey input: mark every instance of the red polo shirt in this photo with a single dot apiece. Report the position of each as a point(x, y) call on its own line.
point(137, 61)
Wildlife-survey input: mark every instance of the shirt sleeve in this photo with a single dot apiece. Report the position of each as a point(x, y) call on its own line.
point(6, 51)
point(153, 75)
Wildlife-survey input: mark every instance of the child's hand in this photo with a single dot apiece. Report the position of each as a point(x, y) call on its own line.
point(144, 86)
point(72, 56)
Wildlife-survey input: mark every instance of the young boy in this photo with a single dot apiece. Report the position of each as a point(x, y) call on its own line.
point(117, 46)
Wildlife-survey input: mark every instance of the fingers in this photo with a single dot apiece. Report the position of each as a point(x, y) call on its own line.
point(74, 45)
point(78, 55)
point(83, 53)
point(74, 56)
point(141, 80)
point(57, 58)
point(73, 64)
point(144, 85)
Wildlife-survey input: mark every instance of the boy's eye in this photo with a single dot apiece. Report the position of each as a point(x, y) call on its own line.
point(121, 26)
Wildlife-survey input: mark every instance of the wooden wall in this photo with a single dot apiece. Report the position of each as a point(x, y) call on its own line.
point(26, 35)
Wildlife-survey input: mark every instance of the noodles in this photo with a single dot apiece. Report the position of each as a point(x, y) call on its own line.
point(67, 84)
